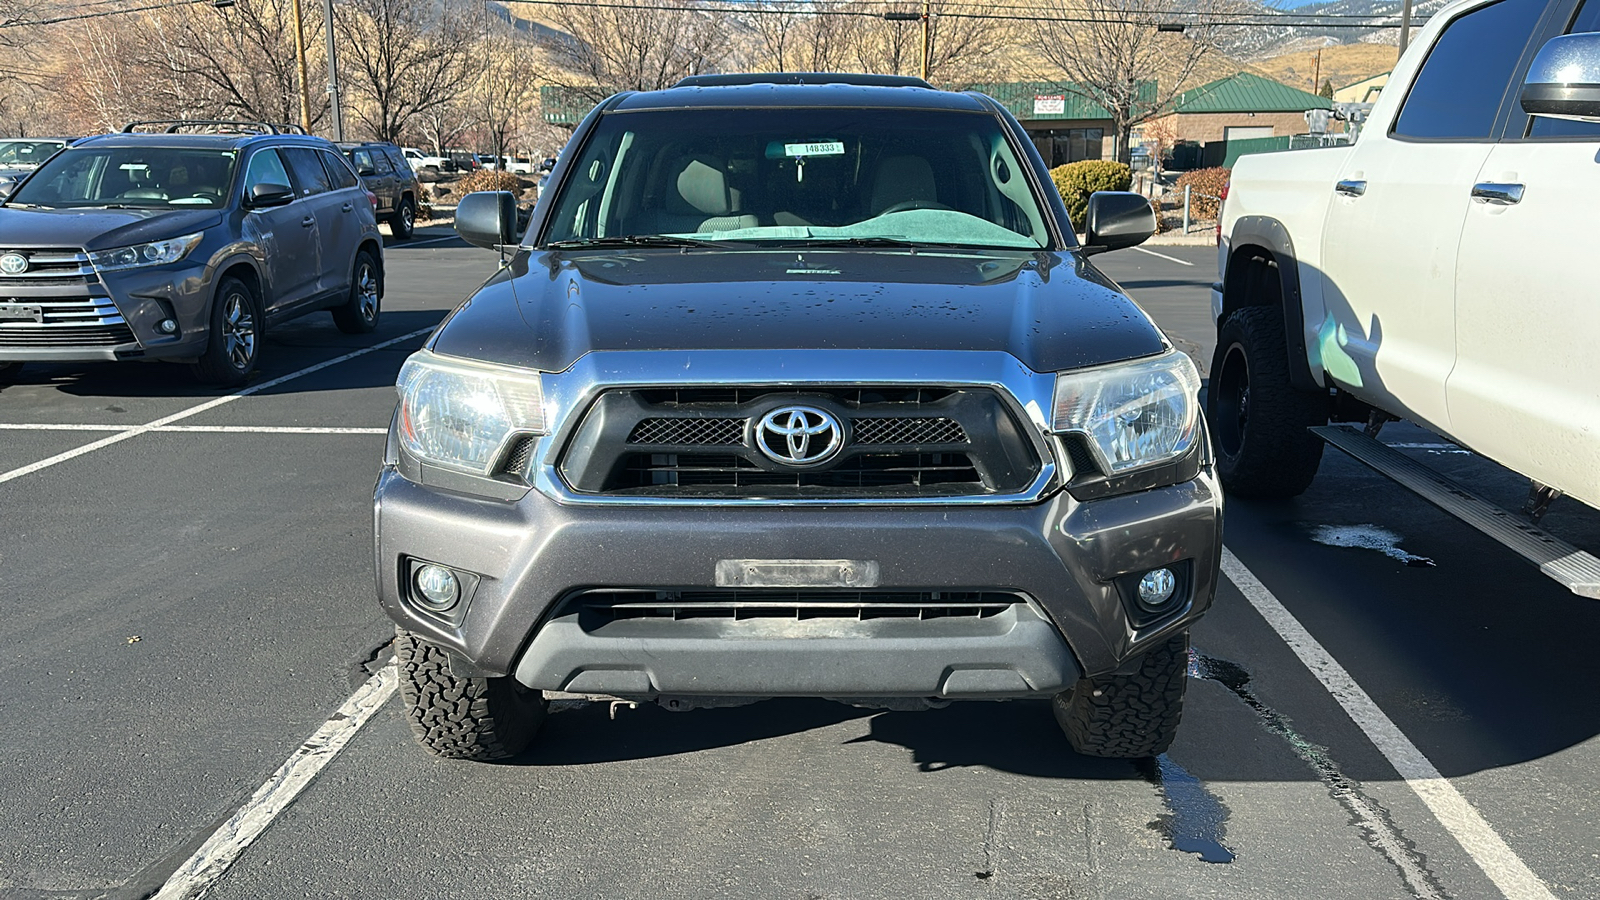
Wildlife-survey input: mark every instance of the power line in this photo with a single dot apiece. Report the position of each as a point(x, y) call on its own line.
point(35, 23)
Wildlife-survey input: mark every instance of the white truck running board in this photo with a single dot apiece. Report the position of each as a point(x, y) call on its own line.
point(1577, 569)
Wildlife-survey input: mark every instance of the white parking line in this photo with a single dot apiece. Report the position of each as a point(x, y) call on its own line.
point(1181, 262)
point(1476, 836)
point(218, 853)
point(211, 429)
point(429, 241)
point(148, 427)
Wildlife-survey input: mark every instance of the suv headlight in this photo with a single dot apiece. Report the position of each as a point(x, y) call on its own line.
point(155, 253)
point(460, 414)
point(1136, 414)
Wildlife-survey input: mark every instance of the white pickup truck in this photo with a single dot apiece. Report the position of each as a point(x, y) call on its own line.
point(1434, 271)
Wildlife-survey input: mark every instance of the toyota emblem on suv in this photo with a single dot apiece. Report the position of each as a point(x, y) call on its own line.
point(799, 435)
point(13, 264)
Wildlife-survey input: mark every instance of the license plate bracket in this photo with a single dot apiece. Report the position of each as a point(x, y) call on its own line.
point(19, 312)
point(797, 573)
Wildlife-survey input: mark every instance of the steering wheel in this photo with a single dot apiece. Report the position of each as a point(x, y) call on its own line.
point(904, 205)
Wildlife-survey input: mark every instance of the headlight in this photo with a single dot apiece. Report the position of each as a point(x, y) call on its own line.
point(1135, 414)
point(460, 414)
point(155, 253)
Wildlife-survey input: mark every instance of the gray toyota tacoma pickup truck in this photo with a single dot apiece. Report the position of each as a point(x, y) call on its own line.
point(797, 386)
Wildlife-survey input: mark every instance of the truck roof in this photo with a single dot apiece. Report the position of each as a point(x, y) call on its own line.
point(827, 94)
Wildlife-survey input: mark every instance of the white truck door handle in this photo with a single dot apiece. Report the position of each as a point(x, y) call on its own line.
point(1351, 188)
point(1496, 193)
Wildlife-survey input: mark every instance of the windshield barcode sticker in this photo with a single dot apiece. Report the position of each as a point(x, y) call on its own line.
point(815, 148)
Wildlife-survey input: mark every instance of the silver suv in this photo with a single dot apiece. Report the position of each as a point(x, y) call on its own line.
point(184, 247)
point(797, 386)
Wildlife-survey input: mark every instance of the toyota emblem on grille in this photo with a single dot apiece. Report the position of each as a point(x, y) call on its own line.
point(13, 264)
point(799, 436)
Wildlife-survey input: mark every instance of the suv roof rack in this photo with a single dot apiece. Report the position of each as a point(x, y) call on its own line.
point(860, 80)
point(218, 126)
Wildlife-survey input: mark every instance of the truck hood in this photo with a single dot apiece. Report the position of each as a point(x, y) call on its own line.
point(98, 229)
point(1050, 311)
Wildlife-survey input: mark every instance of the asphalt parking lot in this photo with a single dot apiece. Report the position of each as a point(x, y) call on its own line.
point(1383, 703)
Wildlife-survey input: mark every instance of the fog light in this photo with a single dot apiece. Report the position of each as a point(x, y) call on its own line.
point(1157, 587)
point(167, 326)
point(437, 587)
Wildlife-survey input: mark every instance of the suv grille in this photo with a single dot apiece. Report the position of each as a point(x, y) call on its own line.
point(29, 335)
point(899, 442)
point(740, 605)
point(50, 267)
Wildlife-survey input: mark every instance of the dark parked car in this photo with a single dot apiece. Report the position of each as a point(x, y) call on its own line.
point(385, 172)
point(797, 385)
point(19, 156)
point(184, 247)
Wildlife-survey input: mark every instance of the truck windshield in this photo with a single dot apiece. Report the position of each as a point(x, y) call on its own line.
point(153, 177)
point(807, 175)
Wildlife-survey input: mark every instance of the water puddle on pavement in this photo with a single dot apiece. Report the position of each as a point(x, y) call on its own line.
point(1376, 826)
point(1196, 821)
point(1369, 537)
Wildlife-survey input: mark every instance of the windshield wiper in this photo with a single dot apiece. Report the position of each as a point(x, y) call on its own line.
point(861, 242)
point(635, 240)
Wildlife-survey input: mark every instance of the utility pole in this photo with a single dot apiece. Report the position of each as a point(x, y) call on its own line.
point(1316, 74)
point(927, 17)
point(333, 71)
point(1405, 26)
point(300, 62)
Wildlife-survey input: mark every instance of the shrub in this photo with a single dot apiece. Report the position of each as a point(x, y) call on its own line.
point(1076, 181)
point(1203, 185)
point(489, 180)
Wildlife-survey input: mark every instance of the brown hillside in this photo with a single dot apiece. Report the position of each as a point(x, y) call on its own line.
point(1342, 64)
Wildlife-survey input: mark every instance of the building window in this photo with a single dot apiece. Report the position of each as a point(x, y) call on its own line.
point(1060, 146)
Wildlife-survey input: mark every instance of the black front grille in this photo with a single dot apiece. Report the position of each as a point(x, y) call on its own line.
point(715, 432)
point(897, 442)
point(742, 605)
point(86, 336)
point(710, 473)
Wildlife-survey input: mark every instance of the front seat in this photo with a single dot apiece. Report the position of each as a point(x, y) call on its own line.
point(902, 179)
point(701, 192)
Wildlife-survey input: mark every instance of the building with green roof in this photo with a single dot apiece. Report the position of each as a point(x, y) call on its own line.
point(1243, 106)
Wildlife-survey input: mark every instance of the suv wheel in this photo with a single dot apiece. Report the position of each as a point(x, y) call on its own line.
point(463, 718)
point(404, 220)
point(1130, 713)
point(1258, 419)
point(359, 314)
point(235, 339)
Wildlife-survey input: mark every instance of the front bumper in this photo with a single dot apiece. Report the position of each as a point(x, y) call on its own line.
point(1060, 556)
point(126, 307)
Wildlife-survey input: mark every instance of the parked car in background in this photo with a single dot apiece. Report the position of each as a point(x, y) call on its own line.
point(20, 156)
point(486, 161)
point(384, 172)
point(517, 165)
point(1436, 270)
point(428, 166)
point(184, 247)
point(465, 160)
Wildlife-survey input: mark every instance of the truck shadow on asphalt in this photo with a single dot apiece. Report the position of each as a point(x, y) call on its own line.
point(1019, 736)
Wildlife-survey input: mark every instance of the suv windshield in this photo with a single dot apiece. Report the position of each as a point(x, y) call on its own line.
point(27, 153)
point(808, 175)
point(130, 176)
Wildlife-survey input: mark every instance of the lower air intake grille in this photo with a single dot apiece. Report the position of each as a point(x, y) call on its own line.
point(741, 605)
point(86, 336)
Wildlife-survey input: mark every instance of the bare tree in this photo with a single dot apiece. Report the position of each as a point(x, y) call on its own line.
point(803, 36)
point(1110, 52)
point(626, 48)
point(506, 93)
point(242, 60)
point(404, 58)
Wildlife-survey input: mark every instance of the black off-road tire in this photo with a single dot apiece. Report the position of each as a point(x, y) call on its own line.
point(1130, 713)
point(479, 719)
point(360, 312)
point(1258, 419)
point(404, 220)
point(9, 372)
point(237, 329)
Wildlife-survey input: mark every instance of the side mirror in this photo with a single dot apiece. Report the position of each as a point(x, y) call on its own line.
point(266, 194)
point(6, 187)
point(366, 170)
point(1117, 219)
point(487, 219)
point(1564, 80)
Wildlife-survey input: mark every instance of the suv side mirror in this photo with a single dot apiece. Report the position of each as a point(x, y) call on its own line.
point(365, 169)
point(6, 187)
point(1117, 219)
point(1564, 80)
point(487, 219)
point(267, 194)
